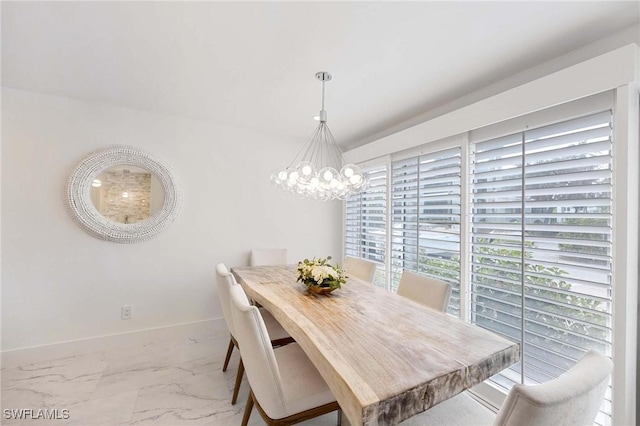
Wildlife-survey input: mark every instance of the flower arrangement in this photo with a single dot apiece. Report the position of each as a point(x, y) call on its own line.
point(319, 273)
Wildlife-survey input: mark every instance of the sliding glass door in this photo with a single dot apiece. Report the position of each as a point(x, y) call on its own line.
point(541, 243)
point(519, 222)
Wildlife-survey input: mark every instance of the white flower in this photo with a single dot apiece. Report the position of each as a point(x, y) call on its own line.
point(321, 272)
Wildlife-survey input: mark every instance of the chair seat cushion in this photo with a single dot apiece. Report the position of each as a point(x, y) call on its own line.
point(275, 330)
point(303, 386)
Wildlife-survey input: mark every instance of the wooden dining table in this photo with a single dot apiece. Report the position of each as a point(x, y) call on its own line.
point(384, 357)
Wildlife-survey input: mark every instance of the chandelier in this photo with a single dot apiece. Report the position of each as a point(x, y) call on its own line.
point(318, 171)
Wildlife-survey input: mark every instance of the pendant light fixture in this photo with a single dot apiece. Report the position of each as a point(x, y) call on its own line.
point(319, 171)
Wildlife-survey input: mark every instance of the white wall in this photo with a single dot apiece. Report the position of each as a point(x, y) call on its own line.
point(60, 284)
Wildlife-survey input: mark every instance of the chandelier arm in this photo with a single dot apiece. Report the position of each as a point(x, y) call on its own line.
point(336, 150)
point(319, 145)
point(335, 155)
point(311, 146)
point(331, 154)
point(323, 146)
point(305, 148)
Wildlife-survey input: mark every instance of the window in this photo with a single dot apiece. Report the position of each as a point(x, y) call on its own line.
point(535, 257)
point(425, 218)
point(366, 223)
point(541, 244)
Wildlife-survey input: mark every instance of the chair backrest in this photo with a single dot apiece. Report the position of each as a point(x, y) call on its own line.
point(425, 290)
point(574, 398)
point(224, 281)
point(359, 268)
point(258, 357)
point(268, 257)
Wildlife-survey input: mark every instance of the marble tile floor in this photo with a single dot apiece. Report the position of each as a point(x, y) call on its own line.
point(178, 381)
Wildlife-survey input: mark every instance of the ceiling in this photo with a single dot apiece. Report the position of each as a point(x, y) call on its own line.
point(252, 64)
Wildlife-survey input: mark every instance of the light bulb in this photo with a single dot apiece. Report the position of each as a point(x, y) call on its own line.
point(348, 172)
point(355, 179)
point(326, 176)
point(305, 172)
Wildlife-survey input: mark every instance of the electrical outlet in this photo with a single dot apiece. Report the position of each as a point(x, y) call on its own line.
point(127, 312)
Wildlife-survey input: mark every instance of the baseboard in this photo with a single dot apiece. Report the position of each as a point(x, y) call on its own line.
point(29, 355)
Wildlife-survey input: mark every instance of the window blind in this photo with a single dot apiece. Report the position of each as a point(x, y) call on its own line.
point(425, 218)
point(541, 244)
point(366, 223)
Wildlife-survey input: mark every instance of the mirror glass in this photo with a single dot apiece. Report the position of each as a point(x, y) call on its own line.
point(127, 194)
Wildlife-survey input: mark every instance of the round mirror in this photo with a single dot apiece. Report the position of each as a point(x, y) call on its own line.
point(123, 194)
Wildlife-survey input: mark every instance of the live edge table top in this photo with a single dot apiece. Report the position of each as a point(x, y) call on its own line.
point(384, 357)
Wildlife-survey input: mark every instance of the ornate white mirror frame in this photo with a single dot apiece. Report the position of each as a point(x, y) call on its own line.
point(91, 221)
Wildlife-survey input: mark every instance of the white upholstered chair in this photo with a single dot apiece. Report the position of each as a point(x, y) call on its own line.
point(283, 396)
point(572, 399)
point(425, 290)
point(268, 257)
point(359, 268)
point(225, 281)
